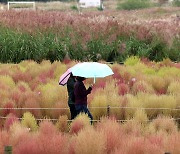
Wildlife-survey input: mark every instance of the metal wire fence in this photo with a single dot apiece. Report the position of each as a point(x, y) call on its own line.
point(108, 108)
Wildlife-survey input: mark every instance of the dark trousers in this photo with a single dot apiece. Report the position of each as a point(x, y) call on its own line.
point(72, 110)
point(84, 109)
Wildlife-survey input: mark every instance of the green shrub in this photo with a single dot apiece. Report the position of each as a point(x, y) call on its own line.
point(134, 4)
point(74, 8)
point(16, 46)
point(173, 52)
point(176, 3)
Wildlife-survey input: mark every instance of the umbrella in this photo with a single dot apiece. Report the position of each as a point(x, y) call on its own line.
point(91, 70)
point(87, 70)
point(64, 78)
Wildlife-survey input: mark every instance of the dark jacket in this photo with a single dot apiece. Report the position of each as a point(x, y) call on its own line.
point(70, 89)
point(81, 93)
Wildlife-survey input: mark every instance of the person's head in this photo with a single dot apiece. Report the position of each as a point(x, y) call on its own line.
point(79, 78)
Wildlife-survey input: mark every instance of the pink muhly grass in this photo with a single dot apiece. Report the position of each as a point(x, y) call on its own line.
point(34, 83)
point(123, 89)
point(176, 65)
point(59, 112)
point(45, 75)
point(154, 144)
point(173, 143)
point(142, 86)
point(76, 127)
point(132, 128)
point(113, 133)
point(21, 76)
point(50, 140)
point(72, 145)
point(46, 127)
point(100, 84)
point(11, 118)
point(23, 86)
point(4, 140)
point(62, 123)
point(159, 84)
point(117, 75)
point(18, 133)
point(28, 146)
point(4, 87)
point(15, 95)
point(165, 124)
point(32, 102)
point(133, 145)
point(56, 143)
point(81, 121)
point(5, 71)
point(9, 105)
point(126, 77)
point(90, 141)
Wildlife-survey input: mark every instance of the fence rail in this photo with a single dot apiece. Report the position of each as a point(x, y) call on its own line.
point(103, 107)
point(108, 108)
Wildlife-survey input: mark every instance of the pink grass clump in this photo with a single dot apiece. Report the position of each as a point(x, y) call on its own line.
point(159, 84)
point(62, 123)
point(81, 121)
point(173, 143)
point(142, 86)
point(165, 124)
point(90, 141)
point(23, 87)
point(47, 127)
point(113, 133)
point(177, 65)
point(32, 101)
point(132, 145)
point(21, 76)
point(8, 105)
point(123, 89)
point(45, 75)
point(60, 112)
point(4, 140)
point(100, 84)
point(50, 140)
point(154, 144)
point(18, 134)
point(132, 128)
point(76, 127)
point(28, 146)
point(15, 95)
point(11, 118)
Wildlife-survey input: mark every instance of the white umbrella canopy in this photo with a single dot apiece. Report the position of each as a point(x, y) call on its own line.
point(87, 70)
point(91, 70)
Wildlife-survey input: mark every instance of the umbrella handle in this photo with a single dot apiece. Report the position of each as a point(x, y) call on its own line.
point(94, 80)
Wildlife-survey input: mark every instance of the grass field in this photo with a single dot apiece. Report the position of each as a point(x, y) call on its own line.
point(136, 110)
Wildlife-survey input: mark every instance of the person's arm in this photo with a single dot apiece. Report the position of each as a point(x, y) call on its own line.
point(82, 90)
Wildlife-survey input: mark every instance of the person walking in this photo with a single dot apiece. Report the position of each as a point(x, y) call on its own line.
point(81, 93)
point(71, 100)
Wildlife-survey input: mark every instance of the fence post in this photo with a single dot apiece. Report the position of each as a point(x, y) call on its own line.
point(108, 110)
point(8, 149)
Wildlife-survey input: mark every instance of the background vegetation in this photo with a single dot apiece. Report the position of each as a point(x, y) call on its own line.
point(88, 37)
